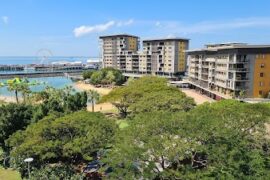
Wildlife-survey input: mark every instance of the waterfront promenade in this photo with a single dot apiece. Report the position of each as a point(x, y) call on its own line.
point(39, 74)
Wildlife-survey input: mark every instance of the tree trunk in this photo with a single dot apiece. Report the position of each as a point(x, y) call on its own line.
point(93, 106)
point(24, 97)
point(16, 95)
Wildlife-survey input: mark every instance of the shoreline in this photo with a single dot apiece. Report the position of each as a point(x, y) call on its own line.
point(7, 99)
point(102, 107)
point(80, 86)
point(85, 87)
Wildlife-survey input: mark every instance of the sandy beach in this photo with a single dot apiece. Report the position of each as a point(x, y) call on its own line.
point(102, 107)
point(85, 87)
point(8, 99)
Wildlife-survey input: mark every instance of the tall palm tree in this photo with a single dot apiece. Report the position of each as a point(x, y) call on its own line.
point(20, 85)
point(14, 85)
point(25, 90)
point(93, 96)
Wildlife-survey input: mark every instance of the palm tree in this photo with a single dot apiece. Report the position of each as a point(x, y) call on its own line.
point(20, 85)
point(14, 85)
point(69, 90)
point(93, 96)
point(25, 90)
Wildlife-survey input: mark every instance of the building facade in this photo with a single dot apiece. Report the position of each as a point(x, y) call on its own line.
point(165, 57)
point(231, 69)
point(116, 47)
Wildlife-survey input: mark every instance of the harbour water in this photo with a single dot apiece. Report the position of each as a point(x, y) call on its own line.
point(23, 60)
point(56, 82)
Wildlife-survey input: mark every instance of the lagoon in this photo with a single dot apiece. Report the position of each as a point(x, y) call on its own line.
point(56, 82)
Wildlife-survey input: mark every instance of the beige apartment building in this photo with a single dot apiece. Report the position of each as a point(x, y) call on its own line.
point(230, 69)
point(164, 57)
point(115, 49)
point(167, 55)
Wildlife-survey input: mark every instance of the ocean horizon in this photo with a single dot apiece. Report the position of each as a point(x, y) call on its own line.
point(23, 60)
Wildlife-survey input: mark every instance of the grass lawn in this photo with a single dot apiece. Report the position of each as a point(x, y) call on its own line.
point(8, 174)
point(122, 123)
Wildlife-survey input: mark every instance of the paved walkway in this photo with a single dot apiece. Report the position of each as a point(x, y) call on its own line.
point(198, 98)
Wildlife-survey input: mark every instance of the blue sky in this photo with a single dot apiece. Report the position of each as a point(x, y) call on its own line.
point(72, 27)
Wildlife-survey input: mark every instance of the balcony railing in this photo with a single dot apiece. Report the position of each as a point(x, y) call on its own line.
point(241, 78)
point(239, 69)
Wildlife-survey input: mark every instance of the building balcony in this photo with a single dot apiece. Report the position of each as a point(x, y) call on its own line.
point(239, 61)
point(241, 79)
point(205, 72)
point(239, 69)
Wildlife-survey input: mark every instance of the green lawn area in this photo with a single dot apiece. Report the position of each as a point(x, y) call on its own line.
point(8, 174)
point(122, 123)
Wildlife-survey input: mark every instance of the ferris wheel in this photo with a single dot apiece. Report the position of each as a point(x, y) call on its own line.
point(43, 56)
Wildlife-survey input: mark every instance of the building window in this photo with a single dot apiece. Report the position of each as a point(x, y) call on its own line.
point(260, 92)
point(262, 65)
point(261, 74)
point(260, 84)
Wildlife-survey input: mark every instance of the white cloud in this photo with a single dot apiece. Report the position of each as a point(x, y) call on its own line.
point(5, 19)
point(125, 23)
point(84, 30)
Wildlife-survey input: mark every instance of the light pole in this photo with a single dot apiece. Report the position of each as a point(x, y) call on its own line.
point(28, 160)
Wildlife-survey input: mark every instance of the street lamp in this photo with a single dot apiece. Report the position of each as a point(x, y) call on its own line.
point(28, 160)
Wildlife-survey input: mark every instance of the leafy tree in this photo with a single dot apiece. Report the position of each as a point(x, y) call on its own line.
point(171, 100)
point(97, 77)
point(59, 100)
point(212, 141)
point(14, 85)
point(107, 76)
point(25, 90)
point(19, 85)
point(13, 117)
point(56, 172)
point(93, 97)
point(71, 139)
point(141, 94)
point(88, 74)
point(76, 102)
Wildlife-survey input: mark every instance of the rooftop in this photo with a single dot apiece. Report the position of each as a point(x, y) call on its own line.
point(234, 45)
point(117, 35)
point(167, 39)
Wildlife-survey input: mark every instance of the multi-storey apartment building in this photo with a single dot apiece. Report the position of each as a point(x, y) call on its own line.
point(167, 55)
point(159, 56)
point(115, 48)
point(230, 69)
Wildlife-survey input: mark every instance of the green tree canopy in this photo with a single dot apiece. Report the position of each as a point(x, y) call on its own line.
point(58, 100)
point(107, 76)
point(223, 140)
point(13, 117)
point(88, 74)
point(71, 139)
point(170, 100)
point(148, 94)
